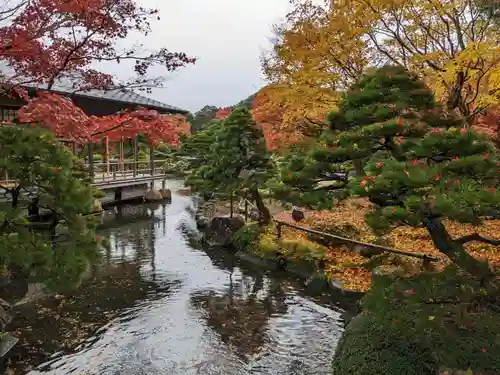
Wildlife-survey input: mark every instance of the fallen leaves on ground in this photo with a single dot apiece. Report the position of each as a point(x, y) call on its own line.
point(344, 264)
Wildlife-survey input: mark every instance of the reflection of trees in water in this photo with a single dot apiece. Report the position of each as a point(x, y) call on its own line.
point(241, 315)
point(132, 233)
point(106, 293)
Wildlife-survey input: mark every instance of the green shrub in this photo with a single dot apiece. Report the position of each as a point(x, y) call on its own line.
point(247, 237)
point(301, 250)
point(421, 324)
point(370, 347)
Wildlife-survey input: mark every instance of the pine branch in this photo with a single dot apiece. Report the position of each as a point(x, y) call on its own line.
point(476, 237)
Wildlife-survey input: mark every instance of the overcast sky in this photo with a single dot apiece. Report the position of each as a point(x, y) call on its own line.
point(226, 35)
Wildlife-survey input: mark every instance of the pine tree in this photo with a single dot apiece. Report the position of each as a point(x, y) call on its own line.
point(237, 159)
point(197, 145)
point(54, 252)
point(422, 166)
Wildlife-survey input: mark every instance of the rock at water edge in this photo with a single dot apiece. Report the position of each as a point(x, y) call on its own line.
point(97, 206)
point(153, 196)
point(166, 194)
point(220, 229)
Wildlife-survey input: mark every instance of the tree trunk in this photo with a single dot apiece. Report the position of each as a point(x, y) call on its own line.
point(455, 251)
point(15, 196)
point(358, 167)
point(231, 205)
point(264, 212)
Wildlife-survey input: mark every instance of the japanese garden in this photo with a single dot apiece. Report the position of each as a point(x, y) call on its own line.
point(343, 219)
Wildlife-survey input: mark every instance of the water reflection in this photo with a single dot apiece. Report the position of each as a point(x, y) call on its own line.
point(240, 315)
point(159, 304)
point(111, 292)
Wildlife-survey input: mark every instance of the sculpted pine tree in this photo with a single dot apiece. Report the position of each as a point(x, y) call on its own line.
point(57, 251)
point(194, 149)
point(422, 167)
point(237, 160)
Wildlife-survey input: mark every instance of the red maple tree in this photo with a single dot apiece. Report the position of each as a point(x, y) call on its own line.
point(49, 42)
point(223, 113)
point(64, 119)
point(268, 120)
point(489, 124)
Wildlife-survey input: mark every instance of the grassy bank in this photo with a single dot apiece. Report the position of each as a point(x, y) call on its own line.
point(423, 325)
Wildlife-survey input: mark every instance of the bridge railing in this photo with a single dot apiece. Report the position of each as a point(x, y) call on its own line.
point(125, 169)
point(114, 170)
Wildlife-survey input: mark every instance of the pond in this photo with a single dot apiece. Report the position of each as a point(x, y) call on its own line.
point(161, 304)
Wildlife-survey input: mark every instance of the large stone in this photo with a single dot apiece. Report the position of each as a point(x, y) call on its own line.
point(221, 228)
point(254, 214)
point(201, 221)
point(7, 342)
point(184, 192)
point(166, 194)
point(97, 205)
point(153, 196)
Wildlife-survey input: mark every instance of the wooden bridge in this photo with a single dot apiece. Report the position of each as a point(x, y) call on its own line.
point(126, 173)
point(127, 179)
point(120, 180)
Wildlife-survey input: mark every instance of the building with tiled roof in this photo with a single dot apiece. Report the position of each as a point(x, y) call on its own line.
point(93, 102)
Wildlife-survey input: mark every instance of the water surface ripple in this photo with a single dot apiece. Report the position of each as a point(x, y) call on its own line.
point(162, 305)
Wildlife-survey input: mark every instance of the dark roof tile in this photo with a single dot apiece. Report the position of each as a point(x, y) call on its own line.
point(123, 96)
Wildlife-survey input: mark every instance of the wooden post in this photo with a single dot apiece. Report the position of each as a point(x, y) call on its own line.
point(122, 166)
point(278, 231)
point(135, 155)
point(90, 149)
point(106, 154)
point(152, 159)
point(246, 208)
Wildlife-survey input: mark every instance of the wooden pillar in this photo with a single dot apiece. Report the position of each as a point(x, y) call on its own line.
point(90, 149)
point(106, 153)
point(134, 140)
point(118, 194)
point(152, 159)
point(164, 221)
point(122, 166)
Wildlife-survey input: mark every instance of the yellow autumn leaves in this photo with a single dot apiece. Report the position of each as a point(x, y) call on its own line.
point(454, 45)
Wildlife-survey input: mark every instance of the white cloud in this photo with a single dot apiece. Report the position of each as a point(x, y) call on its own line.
point(226, 35)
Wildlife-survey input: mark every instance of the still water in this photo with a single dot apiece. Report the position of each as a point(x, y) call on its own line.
point(161, 304)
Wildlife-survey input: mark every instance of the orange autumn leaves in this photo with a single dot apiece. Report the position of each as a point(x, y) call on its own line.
point(345, 264)
point(270, 116)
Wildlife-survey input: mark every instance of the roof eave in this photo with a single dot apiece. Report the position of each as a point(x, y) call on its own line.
point(82, 95)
